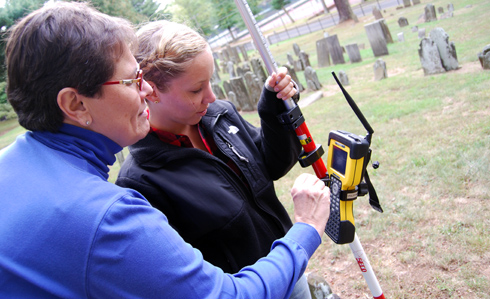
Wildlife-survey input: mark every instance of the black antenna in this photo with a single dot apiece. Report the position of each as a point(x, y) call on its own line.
point(356, 109)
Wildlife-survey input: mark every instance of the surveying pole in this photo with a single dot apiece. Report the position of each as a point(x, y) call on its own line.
point(312, 153)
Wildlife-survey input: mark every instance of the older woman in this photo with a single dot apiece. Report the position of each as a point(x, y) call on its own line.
point(203, 165)
point(65, 231)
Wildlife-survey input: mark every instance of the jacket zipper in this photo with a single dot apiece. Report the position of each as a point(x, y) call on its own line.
point(242, 158)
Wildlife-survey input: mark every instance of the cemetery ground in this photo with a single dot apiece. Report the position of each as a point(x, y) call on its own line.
point(432, 140)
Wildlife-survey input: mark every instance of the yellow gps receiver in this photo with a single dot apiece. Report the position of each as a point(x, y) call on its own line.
point(347, 158)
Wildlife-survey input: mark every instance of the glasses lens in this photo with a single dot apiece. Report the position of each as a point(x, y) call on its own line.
point(139, 77)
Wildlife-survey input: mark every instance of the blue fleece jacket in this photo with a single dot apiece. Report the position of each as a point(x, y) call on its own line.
point(67, 232)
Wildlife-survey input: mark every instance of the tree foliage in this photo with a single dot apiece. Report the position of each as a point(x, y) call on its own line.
point(281, 4)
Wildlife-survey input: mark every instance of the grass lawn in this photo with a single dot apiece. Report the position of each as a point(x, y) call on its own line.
point(432, 139)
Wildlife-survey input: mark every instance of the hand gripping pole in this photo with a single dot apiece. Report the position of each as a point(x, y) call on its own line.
point(311, 152)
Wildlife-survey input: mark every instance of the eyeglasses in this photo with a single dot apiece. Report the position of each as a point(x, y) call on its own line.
point(127, 82)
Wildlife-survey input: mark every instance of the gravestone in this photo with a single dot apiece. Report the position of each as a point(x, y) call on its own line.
point(239, 71)
point(258, 69)
point(379, 68)
point(244, 52)
point(450, 7)
point(377, 14)
point(421, 33)
point(233, 54)
point(401, 37)
point(218, 91)
point(227, 87)
point(312, 81)
point(430, 13)
point(447, 50)
point(376, 38)
point(322, 53)
point(254, 87)
point(290, 59)
point(386, 31)
point(402, 22)
point(319, 287)
point(484, 57)
point(335, 49)
point(232, 98)
point(216, 65)
point(242, 95)
point(298, 65)
point(305, 58)
point(415, 2)
point(231, 69)
point(296, 49)
point(343, 78)
point(440, 10)
point(353, 52)
point(215, 77)
point(429, 57)
point(415, 29)
point(294, 77)
point(406, 3)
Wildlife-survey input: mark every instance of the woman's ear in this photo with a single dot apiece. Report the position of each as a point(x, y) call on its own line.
point(154, 96)
point(74, 111)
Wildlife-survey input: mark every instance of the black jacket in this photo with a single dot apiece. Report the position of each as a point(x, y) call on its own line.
point(204, 200)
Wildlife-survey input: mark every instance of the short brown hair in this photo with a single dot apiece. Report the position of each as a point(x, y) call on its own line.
point(60, 45)
point(165, 49)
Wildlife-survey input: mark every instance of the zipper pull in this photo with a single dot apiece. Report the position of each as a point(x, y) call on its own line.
point(236, 153)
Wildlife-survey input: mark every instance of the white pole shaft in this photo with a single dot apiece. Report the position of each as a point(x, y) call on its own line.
point(366, 269)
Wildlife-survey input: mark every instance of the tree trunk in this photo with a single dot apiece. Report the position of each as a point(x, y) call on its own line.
point(286, 12)
point(345, 11)
point(231, 34)
point(325, 8)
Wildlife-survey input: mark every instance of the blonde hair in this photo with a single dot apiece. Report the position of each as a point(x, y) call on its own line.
point(165, 49)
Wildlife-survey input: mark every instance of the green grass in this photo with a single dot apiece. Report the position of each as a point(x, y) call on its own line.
point(432, 139)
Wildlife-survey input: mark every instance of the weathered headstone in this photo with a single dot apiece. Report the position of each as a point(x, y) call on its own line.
point(216, 65)
point(450, 7)
point(415, 29)
point(415, 2)
point(430, 13)
point(254, 87)
point(386, 31)
point(294, 77)
point(406, 3)
point(343, 78)
point(377, 14)
point(319, 287)
point(335, 49)
point(231, 69)
point(298, 65)
point(401, 37)
point(311, 77)
point(402, 22)
point(440, 10)
point(429, 57)
point(242, 94)
point(244, 52)
point(258, 69)
point(296, 49)
point(447, 50)
point(376, 38)
point(322, 53)
point(290, 59)
point(421, 33)
point(215, 78)
point(305, 58)
point(353, 52)
point(380, 72)
point(232, 98)
point(484, 57)
point(227, 87)
point(218, 91)
point(239, 71)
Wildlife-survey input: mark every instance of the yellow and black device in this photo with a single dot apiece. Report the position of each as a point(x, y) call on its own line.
point(347, 158)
